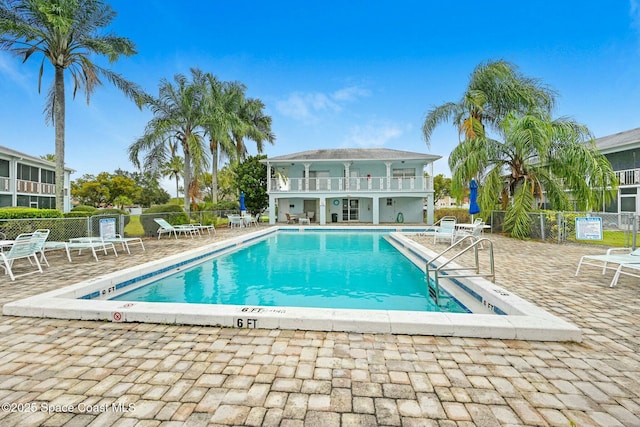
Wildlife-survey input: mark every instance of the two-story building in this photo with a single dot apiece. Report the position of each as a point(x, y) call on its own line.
point(30, 181)
point(623, 152)
point(368, 185)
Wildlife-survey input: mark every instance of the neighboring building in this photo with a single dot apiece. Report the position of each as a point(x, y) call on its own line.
point(30, 181)
point(373, 185)
point(623, 152)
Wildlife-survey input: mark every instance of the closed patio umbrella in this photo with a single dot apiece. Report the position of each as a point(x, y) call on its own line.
point(242, 206)
point(473, 198)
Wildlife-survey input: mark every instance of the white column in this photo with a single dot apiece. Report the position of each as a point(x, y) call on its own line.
point(306, 176)
point(430, 212)
point(388, 164)
point(268, 177)
point(323, 211)
point(376, 210)
point(272, 209)
point(346, 175)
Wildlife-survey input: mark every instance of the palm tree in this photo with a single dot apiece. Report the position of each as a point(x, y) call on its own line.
point(496, 88)
point(537, 157)
point(173, 167)
point(221, 120)
point(255, 125)
point(178, 115)
point(65, 32)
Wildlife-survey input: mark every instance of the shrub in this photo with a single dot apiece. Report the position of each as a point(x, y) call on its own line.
point(174, 215)
point(461, 214)
point(84, 208)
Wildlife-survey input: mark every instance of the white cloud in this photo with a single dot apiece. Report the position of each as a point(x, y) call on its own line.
point(372, 135)
point(351, 93)
point(307, 106)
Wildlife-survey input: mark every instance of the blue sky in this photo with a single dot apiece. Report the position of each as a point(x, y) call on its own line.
point(337, 74)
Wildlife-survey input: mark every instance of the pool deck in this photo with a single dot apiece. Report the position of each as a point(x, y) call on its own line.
point(169, 375)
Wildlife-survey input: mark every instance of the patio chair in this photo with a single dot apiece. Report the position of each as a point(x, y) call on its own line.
point(40, 237)
point(250, 220)
point(166, 228)
point(235, 221)
point(446, 230)
point(431, 229)
point(26, 247)
point(475, 233)
point(628, 259)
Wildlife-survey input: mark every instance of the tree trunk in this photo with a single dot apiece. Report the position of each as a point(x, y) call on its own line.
point(214, 172)
point(187, 177)
point(177, 187)
point(58, 118)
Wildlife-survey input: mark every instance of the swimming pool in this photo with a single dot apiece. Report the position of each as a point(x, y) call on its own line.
point(500, 313)
point(348, 270)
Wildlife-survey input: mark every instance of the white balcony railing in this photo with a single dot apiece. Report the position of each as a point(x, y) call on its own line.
point(343, 185)
point(32, 187)
point(5, 184)
point(628, 176)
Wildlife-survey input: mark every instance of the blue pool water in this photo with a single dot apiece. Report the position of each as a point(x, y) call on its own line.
point(354, 270)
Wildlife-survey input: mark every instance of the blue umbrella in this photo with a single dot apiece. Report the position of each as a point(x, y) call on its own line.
point(242, 206)
point(473, 198)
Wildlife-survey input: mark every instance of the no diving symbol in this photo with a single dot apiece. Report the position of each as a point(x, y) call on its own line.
point(117, 316)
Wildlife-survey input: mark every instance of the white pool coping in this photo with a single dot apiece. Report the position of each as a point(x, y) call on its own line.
point(521, 320)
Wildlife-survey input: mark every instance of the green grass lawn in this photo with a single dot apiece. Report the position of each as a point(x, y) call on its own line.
point(610, 238)
point(134, 228)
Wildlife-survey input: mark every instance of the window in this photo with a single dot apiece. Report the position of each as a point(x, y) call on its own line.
point(27, 173)
point(5, 200)
point(48, 177)
point(4, 168)
point(404, 173)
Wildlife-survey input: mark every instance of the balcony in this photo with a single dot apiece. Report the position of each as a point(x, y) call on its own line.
point(40, 188)
point(350, 185)
point(628, 176)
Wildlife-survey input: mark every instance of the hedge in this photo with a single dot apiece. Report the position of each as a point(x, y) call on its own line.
point(20, 213)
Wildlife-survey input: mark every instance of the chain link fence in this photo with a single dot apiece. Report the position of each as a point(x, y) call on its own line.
point(63, 229)
point(560, 227)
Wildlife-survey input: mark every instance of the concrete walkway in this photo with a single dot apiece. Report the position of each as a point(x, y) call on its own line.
point(78, 373)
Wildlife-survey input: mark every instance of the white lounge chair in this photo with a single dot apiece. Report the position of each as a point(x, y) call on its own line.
point(166, 228)
point(108, 237)
point(81, 243)
point(628, 258)
point(624, 269)
point(24, 247)
point(207, 228)
point(446, 230)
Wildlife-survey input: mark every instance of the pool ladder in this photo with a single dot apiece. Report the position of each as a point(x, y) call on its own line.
point(457, 272)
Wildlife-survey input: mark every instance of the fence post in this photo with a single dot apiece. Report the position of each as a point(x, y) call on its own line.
point(542, 226)
point(560, 225)
point(634, 230)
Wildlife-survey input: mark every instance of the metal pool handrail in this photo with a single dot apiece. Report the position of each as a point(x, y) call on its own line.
point(434, 291)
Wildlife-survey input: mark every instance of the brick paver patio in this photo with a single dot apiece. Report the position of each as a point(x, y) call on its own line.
point(77, 373)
